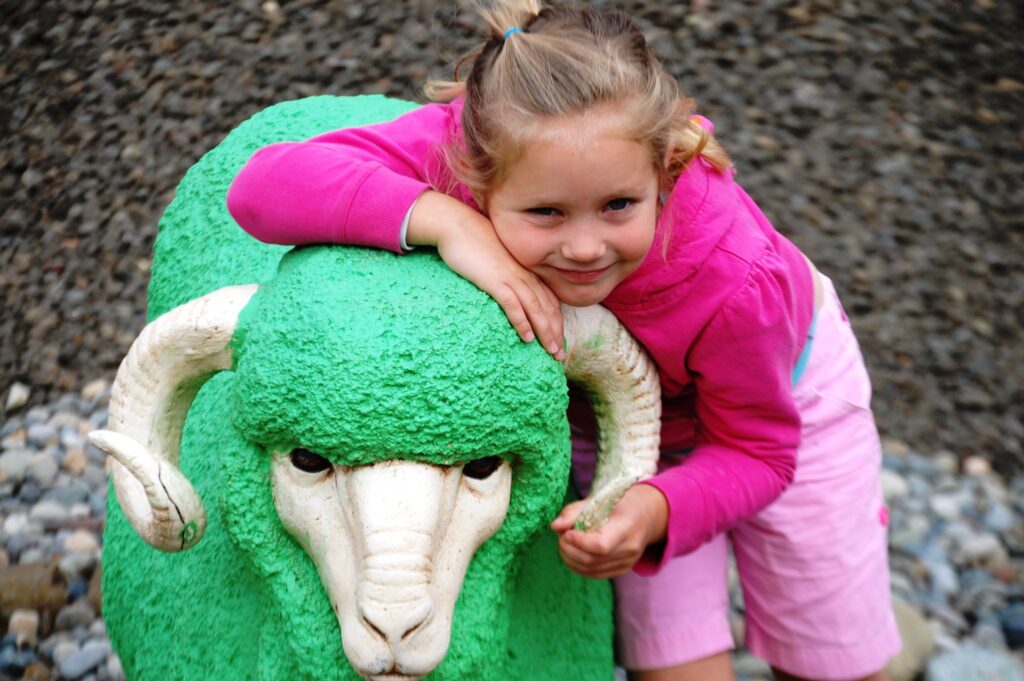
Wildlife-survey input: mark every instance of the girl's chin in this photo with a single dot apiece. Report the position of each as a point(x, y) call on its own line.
point(581, 296)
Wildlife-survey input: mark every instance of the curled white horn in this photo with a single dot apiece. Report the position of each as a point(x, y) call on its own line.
point(164, 369)
point(625, 394)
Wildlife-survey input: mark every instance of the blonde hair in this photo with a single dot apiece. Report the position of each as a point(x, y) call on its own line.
point(564, 61)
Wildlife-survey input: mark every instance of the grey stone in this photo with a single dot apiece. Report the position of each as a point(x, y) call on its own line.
point(42, 434)
point(83, 661)
point(64, 651)
point(75, 492)
point(13, 464)
point(943, 578)
point(1011, 618)
point(43, 469)
point(998, 518)
point(77, 614)
point(47, 512)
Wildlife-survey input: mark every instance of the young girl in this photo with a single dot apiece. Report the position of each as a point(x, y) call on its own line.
point(568, 167)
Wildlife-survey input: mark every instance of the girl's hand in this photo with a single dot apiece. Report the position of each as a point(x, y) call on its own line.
point(639, 519)
point(466, 241)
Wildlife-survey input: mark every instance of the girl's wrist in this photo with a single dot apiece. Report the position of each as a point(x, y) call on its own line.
point(655, 509)
point(435, 217)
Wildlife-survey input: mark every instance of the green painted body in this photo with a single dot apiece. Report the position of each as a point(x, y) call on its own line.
point(362, 356)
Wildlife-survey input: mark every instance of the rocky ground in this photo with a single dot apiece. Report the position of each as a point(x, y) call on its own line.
point(956, 548)
point(887, 140)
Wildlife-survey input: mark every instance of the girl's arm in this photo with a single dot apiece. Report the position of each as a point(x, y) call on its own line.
point(352, 186)
point(357, 186)
point(746, 455)
point(749, 425)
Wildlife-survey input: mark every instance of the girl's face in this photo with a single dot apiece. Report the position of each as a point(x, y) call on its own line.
point(578, 209)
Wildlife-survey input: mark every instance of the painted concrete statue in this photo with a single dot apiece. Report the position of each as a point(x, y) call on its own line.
point(347, 458)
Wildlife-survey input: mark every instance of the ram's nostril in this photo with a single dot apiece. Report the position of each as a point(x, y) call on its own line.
point(372, 627)
point(479, 469)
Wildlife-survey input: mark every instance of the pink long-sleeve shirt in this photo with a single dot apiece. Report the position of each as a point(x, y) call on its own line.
point(723, 307)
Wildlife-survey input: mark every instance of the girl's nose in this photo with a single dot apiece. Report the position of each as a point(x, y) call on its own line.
point(583, 243)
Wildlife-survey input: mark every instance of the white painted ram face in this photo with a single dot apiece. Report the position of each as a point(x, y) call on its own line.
point(391, 542)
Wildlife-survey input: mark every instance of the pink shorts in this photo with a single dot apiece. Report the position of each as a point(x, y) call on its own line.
point(813, 565)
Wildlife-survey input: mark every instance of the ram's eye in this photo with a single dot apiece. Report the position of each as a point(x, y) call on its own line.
point(307, 461)
point(480, 469)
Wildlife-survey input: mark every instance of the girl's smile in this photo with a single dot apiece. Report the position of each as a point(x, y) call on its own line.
point(578, 208)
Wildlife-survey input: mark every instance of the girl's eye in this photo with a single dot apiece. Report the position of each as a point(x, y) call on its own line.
point(543, 211)
point(617, 205)
point(308, 462)
point(479, 469)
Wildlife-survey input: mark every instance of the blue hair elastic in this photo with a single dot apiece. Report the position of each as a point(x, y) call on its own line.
point(514, 29)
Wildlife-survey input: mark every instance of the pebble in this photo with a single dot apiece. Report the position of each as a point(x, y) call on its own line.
point(13, 464)
point(48, 512)
point(1011, 618)
point(74, 461)
point(81, 541)
point(17, 396)
point(24, 624)
point(43, 469)
point(77, 614)
point(971, 661)
point(79, 663)
point(63, 650)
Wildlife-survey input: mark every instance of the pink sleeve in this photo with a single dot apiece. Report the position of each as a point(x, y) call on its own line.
point(352, 186)
point(749, 426)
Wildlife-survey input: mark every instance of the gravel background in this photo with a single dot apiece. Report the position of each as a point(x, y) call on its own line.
point(886, 140)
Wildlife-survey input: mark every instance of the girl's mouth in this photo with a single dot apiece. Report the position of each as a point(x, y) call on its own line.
point(583, 276)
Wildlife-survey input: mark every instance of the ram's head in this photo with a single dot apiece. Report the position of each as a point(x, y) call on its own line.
point(403, 436)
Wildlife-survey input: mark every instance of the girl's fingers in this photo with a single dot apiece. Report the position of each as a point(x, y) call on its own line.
point(512, 306)
point(567, 517)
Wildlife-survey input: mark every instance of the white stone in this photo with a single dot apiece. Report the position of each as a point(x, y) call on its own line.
point(24, 624)
point(115, 672)
point(17, 396)
point(918, 642)
point(79, 511)
point(976, 466)
point(893, 485)
point(946, 506)
point(81, 541)
point(16, 523)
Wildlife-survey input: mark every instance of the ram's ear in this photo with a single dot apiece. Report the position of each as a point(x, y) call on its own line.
point(166, 366)
point(622, 385)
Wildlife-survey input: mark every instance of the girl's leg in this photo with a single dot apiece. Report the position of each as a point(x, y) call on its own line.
point(814, 565)
point(783, 676)
point(717, 667)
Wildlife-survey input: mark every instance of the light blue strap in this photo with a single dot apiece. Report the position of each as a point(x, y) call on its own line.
point(805, 354)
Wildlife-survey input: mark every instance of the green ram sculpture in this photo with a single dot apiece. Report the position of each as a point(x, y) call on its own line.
point(347, 458)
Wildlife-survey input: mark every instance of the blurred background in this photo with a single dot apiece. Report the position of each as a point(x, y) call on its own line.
point(885, 139)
